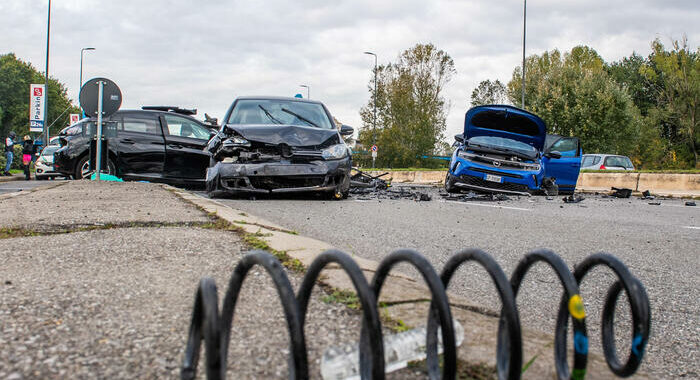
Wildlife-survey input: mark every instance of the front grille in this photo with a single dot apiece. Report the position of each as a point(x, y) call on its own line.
point(505, 186)
point(496, 172)
point(286, 182)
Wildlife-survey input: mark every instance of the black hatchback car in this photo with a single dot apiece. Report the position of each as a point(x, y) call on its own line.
point(279, 145)
point(155, 145)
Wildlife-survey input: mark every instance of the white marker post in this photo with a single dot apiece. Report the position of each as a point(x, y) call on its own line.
point(98, 143)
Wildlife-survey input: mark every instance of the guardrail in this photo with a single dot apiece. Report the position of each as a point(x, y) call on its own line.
point(214, 327)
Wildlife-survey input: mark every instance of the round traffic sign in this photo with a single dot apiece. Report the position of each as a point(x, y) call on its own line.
point(111, 97)
point(374, 148)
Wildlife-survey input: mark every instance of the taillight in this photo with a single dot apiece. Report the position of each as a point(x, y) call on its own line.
point(602, 167)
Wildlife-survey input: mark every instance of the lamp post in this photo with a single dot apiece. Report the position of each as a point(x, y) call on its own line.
point(308, 90)
point(522, 103)
point(374, 126)
point(46, 83)
point(81, 66)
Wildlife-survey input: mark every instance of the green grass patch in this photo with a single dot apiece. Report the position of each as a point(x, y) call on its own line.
point(465, 371)
point(346, 297)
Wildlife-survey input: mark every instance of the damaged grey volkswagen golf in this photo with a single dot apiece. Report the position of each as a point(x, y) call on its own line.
point(276, 145)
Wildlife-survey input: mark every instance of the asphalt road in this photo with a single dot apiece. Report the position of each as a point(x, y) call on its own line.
point(14, 186)
point(659, 243)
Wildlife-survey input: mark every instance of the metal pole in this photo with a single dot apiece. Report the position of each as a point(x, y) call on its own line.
point(522, 104)
point(374, 123)
point(46, 83)
point(98, 143)
point(308, 90)
point(81, 71)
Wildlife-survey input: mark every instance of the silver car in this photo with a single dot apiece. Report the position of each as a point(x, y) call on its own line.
point(44, 168)
point(606, 162)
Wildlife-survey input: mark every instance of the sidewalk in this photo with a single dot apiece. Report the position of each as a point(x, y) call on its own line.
point(14, 177)
point(98, 281)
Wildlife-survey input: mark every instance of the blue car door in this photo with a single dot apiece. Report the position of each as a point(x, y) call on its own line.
point(566, 168)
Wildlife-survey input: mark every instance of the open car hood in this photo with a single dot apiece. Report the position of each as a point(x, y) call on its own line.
point(507, 122)
point(292, 135)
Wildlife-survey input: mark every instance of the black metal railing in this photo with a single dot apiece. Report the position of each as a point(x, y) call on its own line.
point(214, 327)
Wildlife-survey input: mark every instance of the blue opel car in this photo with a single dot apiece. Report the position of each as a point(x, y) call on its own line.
point(505, 149)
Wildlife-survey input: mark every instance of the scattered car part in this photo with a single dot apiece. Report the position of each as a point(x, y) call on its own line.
point(621, 192)
point(573, 198)
point(212, 327)
point(550, 187)
point(690, 203)
point(360, 179)
point(472, 196)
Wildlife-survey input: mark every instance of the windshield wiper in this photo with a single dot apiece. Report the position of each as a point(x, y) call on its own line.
point(268, 114)
point(302, 118)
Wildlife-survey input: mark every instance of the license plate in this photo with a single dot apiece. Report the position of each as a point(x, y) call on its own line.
point(494, 178)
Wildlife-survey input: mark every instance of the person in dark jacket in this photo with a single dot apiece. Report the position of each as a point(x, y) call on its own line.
point(27, 153)
point(9, 152)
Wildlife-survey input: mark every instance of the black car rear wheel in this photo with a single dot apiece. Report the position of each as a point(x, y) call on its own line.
point(83, 168)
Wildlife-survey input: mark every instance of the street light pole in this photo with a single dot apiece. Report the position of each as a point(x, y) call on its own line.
point(308, 90)
point(522, 104)
point(46, 82)
point(374, 124)
point(80, 86)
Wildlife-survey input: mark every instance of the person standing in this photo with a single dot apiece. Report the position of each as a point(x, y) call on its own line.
point(9, 152)
point(27, 153)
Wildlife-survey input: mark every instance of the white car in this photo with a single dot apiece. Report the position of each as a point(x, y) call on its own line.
point(606, 162)
point(43, 168)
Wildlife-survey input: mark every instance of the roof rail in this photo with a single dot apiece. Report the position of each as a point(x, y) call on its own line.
point(182, 111)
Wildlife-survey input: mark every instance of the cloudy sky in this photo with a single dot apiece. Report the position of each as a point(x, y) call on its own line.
point(203, 54)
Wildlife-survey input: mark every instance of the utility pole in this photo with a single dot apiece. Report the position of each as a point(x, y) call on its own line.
point(81, 70)
point(308, 90)
point(522, 104)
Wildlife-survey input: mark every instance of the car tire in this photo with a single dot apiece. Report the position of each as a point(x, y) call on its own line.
point(83, 167)
point(450, 184)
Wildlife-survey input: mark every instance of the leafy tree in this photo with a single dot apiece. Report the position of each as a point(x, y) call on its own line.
point(15, 78)
point(411, 111)
point(489, 92)
point(678, 98)
point(576, 97)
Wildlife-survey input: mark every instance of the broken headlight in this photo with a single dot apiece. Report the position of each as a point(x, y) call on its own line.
point(334, 152)
point(236, 141)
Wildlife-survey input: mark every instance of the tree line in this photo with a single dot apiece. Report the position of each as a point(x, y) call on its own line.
point(642, 107)
point(15, 78)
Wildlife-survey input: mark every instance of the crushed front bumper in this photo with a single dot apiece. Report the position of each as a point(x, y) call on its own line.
point(279, 177)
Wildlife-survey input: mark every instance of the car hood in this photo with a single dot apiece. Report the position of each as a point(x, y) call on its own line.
point(507, 122)
point(292, 135)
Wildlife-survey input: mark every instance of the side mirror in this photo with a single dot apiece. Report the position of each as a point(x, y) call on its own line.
point(459, 138)
point(553, 154)
point(346, 130)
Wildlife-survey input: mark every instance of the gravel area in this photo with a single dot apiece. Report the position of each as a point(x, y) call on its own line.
point(89, 202)
point(659, 243)
point(116, 304)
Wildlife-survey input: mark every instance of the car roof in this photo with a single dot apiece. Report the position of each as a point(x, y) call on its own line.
point(301, 100)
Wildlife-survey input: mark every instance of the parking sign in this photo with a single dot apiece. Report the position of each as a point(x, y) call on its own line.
point(36, 107)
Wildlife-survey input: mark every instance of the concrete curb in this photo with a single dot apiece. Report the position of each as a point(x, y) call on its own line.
point(28, 191)
point(406, 299)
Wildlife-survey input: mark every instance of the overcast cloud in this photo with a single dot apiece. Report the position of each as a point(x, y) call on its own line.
point(204, 54)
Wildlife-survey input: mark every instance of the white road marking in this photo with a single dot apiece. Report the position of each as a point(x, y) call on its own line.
point(494, 206)
point(692, 227)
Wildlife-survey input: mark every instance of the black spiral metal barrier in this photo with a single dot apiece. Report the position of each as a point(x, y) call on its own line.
point(214, 328)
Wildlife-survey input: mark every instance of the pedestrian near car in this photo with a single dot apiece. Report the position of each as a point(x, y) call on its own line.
point(27, 153)
point(9, 153)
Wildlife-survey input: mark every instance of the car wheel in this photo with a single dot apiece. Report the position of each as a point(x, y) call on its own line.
point(450, 184)
point(83, 168)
